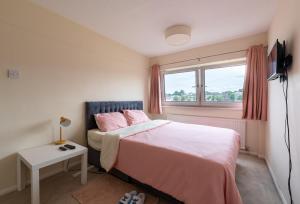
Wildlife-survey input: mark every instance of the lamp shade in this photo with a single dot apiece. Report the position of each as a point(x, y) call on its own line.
point(64, 122)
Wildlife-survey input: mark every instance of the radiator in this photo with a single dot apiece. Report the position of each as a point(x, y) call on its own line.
point(238, 125)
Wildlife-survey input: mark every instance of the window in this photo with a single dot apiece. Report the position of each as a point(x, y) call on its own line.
point(224, 84)
point(181, 86)
point(220, 84)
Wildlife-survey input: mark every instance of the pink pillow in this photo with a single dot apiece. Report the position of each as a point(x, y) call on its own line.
point(135, 116)
point(110, 121)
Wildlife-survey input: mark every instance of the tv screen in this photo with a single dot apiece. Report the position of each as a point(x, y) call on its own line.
point(275, 61)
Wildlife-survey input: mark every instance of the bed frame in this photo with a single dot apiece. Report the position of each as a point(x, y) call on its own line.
point(95, 107)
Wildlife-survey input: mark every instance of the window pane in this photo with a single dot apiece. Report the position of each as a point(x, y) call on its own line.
point(224, 84)
point(180, 86)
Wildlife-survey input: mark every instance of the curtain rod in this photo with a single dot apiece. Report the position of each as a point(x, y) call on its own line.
point(199, 58)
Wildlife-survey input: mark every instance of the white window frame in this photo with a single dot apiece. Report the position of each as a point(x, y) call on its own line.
point(200, 89)
point(181, 103)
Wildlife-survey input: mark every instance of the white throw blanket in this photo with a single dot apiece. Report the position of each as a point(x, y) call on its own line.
point(110, 141)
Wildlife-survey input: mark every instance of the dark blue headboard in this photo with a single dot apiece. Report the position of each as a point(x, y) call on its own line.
point(95, 107)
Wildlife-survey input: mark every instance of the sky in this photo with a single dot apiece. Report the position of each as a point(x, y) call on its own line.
point(217, 80)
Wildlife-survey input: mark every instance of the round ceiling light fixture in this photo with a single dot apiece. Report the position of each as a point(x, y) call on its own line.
point(178, 35)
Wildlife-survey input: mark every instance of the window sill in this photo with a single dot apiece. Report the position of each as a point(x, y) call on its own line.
point(219, 107)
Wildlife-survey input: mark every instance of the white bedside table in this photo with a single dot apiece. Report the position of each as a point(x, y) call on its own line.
point(42, 156)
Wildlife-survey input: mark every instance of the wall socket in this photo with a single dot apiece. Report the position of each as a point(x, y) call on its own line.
point(13, 74)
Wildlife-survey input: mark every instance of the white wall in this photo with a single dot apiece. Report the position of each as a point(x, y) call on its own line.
point(255, 129)
point(62, 65)
point(285, 26)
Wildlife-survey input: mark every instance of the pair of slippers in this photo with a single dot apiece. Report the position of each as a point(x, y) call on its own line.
point(133, 197)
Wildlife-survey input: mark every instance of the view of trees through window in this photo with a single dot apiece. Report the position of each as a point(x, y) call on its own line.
point(180, 86)
point(224, 84)
point(181, 96)
point(219, 85)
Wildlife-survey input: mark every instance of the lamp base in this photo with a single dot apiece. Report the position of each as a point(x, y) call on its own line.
point(59, 142)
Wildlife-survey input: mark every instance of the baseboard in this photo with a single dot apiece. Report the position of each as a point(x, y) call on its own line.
point(56, 171)
point(8, 190)
point(44, 176)
point(247, 152)
point(284, 201)
point(261, 156)
point(252, 153)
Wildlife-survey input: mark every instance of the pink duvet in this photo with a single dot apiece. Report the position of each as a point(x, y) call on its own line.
point(193, 163)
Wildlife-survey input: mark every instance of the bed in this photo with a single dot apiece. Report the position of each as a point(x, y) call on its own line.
point(191, 163)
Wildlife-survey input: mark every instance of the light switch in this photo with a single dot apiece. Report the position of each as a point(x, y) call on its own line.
point(13, 74)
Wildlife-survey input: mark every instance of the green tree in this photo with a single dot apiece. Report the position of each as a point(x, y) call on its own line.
point(182, 93)
point(176, 98)
point(176, 93)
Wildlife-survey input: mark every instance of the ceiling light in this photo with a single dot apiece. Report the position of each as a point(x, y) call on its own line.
point(178, 35)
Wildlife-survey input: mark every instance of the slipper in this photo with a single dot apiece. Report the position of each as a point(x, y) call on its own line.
point(127, 197)
point(138, 199)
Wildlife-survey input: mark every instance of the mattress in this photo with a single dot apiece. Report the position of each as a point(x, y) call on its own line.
point(95, 138)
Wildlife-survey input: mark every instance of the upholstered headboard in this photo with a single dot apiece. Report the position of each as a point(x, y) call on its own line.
point(95, 107)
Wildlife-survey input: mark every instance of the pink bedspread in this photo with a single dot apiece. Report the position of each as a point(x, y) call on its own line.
point(193, 163)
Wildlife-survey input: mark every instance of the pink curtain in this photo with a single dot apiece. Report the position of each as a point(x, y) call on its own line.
point(256, 86)
point(155, 92)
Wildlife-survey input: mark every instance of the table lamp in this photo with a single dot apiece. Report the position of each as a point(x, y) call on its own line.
point(64, 122)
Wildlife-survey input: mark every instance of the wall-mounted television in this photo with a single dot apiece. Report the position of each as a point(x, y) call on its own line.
point(276, 61)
